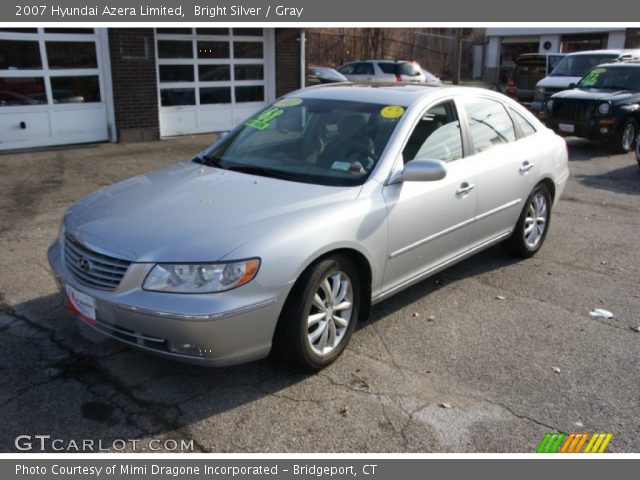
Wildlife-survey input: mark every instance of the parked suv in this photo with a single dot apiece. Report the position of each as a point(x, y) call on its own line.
point(383, 71)
point(571, 69)
point(604, 106)
point(529, 70)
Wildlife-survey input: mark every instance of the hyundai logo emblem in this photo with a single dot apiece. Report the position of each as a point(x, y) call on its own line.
point(84, 264)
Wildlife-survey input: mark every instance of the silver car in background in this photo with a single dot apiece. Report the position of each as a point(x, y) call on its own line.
point(280, 236)
point(383, 71)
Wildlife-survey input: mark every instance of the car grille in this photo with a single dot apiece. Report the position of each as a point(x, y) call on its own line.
point(91, 268)
point(571, 111)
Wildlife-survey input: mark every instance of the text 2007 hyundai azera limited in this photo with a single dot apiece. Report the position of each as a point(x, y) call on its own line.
point(282, 234)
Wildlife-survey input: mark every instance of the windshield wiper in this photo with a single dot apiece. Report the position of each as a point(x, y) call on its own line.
point(208, 160)
point(263, 172)
point(615, 87)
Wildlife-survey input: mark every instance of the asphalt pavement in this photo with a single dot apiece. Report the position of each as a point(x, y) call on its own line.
point(487, 356)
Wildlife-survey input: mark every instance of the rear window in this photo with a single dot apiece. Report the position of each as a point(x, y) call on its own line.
point(404, 68)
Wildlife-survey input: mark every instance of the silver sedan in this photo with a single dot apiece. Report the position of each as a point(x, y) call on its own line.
point(282, 235)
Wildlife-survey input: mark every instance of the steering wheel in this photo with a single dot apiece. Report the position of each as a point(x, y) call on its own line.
point(365, 157)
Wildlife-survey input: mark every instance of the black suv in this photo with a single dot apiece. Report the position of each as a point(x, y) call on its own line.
point(603, 106)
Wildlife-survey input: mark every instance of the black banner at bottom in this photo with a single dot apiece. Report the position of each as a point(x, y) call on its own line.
point(318, 468)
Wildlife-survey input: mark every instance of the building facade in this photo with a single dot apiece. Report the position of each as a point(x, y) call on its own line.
point(63, 86)
point(503, 45)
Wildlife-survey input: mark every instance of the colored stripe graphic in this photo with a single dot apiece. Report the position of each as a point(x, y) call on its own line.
point(567, 442)
point(573, 443)
point(550, 443)
point(578, 446)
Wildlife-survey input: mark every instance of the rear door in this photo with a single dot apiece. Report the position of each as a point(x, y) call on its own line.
point(504, 163)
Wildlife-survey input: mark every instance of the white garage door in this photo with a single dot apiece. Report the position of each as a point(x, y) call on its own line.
point(51, 87)
point(210, 79)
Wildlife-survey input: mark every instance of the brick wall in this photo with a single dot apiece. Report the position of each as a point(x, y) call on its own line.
point(287, 60)
point(135, 93)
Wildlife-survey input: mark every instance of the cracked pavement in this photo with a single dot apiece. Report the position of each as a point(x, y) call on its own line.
point(508, 345)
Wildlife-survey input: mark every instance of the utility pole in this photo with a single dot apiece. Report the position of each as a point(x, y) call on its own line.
point(457, 57)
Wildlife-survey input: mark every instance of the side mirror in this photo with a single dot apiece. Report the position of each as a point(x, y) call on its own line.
point(421, 170)
point(572, 86)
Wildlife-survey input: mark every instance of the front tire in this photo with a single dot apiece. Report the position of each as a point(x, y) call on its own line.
point(320, 314)
point(532, 226)
point(625, 138)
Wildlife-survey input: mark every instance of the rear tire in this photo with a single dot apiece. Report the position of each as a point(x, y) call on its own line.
point(532, 226)
point(319, 315)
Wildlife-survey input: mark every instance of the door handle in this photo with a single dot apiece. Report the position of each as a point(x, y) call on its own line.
point(526, 166)
point(465, 188)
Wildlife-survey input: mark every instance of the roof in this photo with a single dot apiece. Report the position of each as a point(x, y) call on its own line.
point(403, 94)
point(627, 64)
point(621, 51)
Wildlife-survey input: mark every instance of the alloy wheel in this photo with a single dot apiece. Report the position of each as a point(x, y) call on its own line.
point(535, 221)
point(330, 313)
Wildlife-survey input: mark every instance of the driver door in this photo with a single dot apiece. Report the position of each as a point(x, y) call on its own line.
point(430, 223)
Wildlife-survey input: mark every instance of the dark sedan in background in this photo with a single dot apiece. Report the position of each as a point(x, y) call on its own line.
point(604, 106)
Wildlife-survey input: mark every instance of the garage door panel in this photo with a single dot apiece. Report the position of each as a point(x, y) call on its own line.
point(51, 80)
point(37, 126)
point(88, 121)
point(226, 86)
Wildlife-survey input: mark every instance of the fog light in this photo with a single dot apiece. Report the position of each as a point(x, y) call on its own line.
point(604, 130)
point(184, 348)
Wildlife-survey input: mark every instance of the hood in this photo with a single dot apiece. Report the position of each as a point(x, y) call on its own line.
point(595, 94)
point(558, 82)
point(191, 213)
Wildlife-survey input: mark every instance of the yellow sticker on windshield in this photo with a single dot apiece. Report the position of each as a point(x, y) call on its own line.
point(288, 102)
point(598, 70)
point(392, 111)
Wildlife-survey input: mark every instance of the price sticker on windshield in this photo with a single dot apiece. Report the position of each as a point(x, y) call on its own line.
point(288, 102)
point(262, 121)
point(592, 77)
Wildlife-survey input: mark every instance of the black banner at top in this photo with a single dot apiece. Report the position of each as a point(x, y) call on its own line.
point(325, 11)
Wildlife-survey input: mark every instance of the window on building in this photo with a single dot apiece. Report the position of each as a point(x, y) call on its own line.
point(19, 55)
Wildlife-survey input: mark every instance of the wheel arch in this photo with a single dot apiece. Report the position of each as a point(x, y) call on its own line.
point(364, 270)
point(551, 186)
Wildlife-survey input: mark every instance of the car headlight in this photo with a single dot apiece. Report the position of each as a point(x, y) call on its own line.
point(200, 278)
point(604, 108)
point(550, 105)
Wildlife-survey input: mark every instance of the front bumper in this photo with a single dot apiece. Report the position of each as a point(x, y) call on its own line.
point(589, 129)
point(227, 327)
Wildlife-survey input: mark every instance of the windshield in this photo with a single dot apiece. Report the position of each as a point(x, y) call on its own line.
point(578, 65)
point(616, 78)
point(328, 142)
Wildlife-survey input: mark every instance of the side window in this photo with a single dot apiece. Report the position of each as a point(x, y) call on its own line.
point(437, 135)
point(388, 68)
point(347, 69)
point(489, 124)
point(363, 68)
point(523, 124)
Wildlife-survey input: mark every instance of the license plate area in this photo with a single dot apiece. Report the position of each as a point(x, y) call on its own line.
point(567, 127)
point(81, 304)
